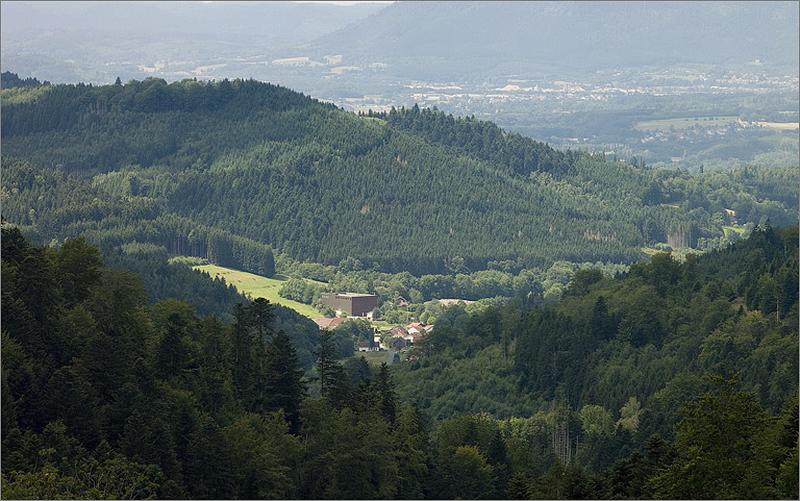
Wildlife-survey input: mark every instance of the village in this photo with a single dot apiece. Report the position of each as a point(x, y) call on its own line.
point(349, 306)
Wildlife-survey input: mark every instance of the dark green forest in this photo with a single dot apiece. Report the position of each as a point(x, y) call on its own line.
point(584, 370)
point(673, 380)
point(231, 170)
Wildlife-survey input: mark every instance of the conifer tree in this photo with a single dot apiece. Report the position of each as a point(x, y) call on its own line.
point(384, 387)
point(519, 487)
point(284, 379)
point(326, 356)
point(411, 442)
point(171, 351)
point(497, 457)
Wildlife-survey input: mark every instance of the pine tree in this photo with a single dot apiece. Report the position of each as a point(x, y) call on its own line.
point(411, 443)
point(497, 457)
point(284, 379)
point(242, 352)
point(339, 389)
point(261, 316)
point(252, 331)
point(359, 371)
point(171, 350)
point(601, 324)
point(138, 441)
point(519, 487)
point(724, 448)
point(384, 387)
point(208, 462)
point(326, 356)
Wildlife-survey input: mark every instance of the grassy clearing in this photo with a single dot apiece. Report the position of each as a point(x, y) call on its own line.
point(256, 286)
point(373, 357)
point(728, 230)
point(685, 123)
point(382, 325)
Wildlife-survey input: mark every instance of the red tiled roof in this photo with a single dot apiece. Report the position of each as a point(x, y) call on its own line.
point(329, 323)
point(398, 330)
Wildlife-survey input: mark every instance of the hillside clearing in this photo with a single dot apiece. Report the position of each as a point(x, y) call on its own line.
point(376, 357)
point(256, 286)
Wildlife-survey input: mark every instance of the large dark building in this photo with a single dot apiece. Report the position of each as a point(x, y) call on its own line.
point(350, 304)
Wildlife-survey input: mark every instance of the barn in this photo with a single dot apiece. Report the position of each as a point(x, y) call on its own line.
point(350, 304)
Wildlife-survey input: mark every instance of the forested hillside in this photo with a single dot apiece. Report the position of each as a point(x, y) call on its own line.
point(230, 170)
point(617, 359)
point(104, 396)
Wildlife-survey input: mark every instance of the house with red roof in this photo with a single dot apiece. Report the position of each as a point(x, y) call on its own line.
point(328, 324)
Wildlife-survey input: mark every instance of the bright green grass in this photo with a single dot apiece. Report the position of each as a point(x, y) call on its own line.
point(256, 286)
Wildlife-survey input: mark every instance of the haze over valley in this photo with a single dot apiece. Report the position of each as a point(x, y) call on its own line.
point(573, 75)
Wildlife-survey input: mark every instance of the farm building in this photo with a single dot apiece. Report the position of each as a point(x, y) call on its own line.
point(412, 333)
point(350, 304)
point(366, 345)
point(398, 343)
point(328, 324)
point(418, 330)
point(400, 331)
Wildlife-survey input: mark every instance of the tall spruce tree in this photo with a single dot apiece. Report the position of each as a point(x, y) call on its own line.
point(284, 379)
point(171, 350)
point(384, 387)
point(326, 357)
point(497, 457)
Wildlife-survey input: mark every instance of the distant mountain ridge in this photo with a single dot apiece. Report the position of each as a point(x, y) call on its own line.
point(481, 37)
point(98, 41)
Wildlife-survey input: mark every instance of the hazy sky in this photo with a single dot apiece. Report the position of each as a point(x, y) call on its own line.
point(343, 2)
